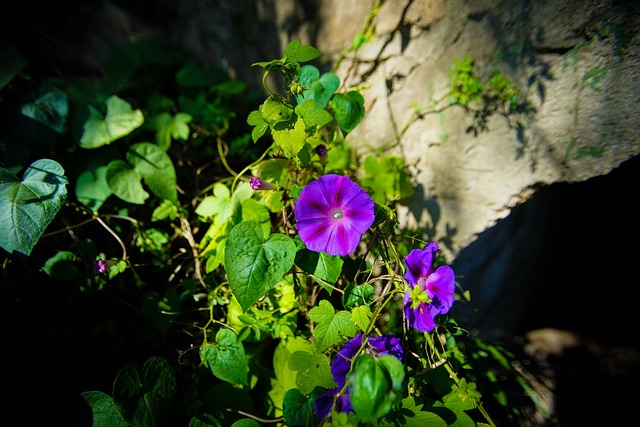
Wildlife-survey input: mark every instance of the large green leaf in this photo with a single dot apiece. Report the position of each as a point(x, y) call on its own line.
point(320, 89)
point(331, 326)
point(125, 182)
point(298, 409)
point(291, 140)
point(296, 52)
point(61, 266)
point(92, 189)
point(103, 411)
point(348, 109)
point(28, 206)
point(120, 121)
point(145, 398)
point(374, 385)
point(254, 264)
point(156, 167)
point(314, 370)
point(226, 358)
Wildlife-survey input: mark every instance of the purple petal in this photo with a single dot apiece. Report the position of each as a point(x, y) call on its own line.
point(420, 317)
point(420, 262)
point(341, 365)
point(319, 231)
point(441, 286)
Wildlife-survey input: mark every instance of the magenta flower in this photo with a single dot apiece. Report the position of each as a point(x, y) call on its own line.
point(258, 184)
point(341, 365)
point(431, 290)
point(332, 213)
point(101, 266)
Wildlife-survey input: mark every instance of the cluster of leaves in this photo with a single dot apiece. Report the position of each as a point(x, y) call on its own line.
point(234, 320)
point(498, 94)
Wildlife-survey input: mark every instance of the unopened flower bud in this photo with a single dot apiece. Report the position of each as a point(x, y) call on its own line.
point(321, 151)
point(258, 184)
point(101, 266)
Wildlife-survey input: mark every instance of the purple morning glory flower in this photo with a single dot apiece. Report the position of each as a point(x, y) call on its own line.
point(431, 290)
point(332, 213)
point(341, 365)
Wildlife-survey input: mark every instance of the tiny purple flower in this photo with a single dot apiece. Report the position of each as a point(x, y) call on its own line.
point(258, 184)
point(431, 290)
point(101, 266)
point(321, 151)
point(332, 213)
point(341, 365)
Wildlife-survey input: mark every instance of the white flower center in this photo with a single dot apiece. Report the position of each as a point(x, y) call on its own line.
point(337, 213)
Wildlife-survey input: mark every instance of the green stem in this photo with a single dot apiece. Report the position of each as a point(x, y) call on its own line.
point(242, 172)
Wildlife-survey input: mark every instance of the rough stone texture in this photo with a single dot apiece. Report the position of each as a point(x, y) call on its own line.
point(551, 50)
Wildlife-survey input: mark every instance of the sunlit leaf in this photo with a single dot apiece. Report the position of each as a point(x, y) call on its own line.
point(28, 206)
point(361, 316)
point(120, 121)
point(312, 115)
point(295, 52)
point(331, 326)
point(156, 168)
point(92, 189)
point(314, 370)
point(348, 109)
point(291, 140)
point(254, 263)
point(125, 182)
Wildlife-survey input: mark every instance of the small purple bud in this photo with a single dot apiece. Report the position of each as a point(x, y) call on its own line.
point(101, 266)
point(321, 151)
point(258, 184)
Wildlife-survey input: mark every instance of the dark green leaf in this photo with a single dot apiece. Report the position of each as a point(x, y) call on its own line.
point(348, 109)
point(226, 358)
point(297, 409)
point(104, 412)
point(61, 266)
point(145, 398)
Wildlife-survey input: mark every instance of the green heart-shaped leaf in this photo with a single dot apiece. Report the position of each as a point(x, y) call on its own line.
point(156, 167)
point(125, 182)
point(103, 411)
point(255, 265)
point(348, 110)
point(226, 358)
point(145, 398)
point(120, 121)
point(28, 206)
